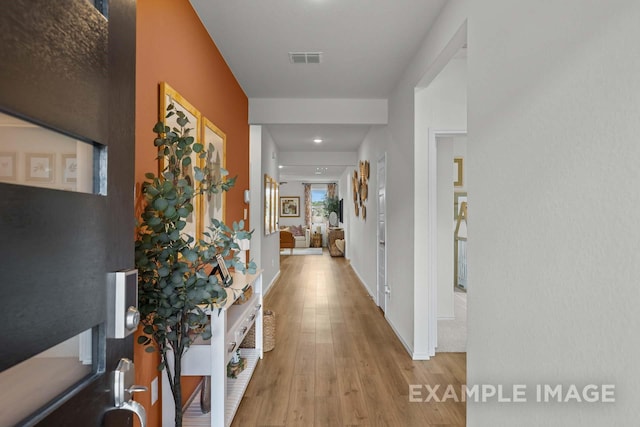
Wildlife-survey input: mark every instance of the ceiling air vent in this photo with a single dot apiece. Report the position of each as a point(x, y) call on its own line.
point(305, 57)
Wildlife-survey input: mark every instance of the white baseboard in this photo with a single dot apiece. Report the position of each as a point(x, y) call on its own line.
point(402, 341)
point(421, 356)
point(270, 285)
point(407, 347)
point(363, 283)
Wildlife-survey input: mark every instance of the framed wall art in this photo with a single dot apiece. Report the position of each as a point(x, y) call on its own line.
point(69, 168)
point(458, 198)
point(458, 172)
point(215, 142)
point(289, 206)
point(275, 213)
point(169, 96)
point(7, 166)
point(40, 167)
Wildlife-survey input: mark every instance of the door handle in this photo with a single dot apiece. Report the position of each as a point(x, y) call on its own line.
point(123, 389)
point(137, 409)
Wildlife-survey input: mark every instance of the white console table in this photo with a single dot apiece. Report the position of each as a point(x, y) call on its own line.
point(228, 328)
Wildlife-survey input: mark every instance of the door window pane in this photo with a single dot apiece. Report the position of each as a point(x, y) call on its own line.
point(36, 156)
point(35, 383)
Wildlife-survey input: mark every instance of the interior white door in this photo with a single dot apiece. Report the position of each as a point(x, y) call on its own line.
point(383, 290)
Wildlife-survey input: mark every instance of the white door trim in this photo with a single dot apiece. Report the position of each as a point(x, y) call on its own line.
point(381, 288)
point(432, 233)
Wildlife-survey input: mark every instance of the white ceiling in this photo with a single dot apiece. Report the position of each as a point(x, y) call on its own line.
point(365, 45)
point(334, 137)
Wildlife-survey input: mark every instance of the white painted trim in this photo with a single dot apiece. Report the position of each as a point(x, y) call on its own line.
point(393, 327)
point(381, 159)
point(402, 341)
point(432, 233)
point(273, 281)
point(363, 283)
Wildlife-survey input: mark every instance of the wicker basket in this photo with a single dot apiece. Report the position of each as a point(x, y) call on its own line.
point(268, 333)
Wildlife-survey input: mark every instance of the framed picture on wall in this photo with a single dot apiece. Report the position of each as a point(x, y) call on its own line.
point(458, 198)
point(214, 165)
point(169, 96)
point(40, 167)
point(69, 168)
point(7, 166)
point(458, 172)
point(289, 206)
point(268, 204)
point(274, 204)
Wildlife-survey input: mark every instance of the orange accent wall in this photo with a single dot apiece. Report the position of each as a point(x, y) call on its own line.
point(173, 46)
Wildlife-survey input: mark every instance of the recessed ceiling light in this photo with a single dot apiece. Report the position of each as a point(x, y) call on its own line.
point(317, 140)
point(280, 166)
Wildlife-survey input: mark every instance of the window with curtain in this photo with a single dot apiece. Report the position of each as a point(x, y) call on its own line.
point(318, 209)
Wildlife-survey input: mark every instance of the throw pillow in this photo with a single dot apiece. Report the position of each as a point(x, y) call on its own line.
point(296, 230)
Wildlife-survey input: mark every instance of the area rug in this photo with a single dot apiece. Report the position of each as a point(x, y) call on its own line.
point(302, 251)
point(452, 334)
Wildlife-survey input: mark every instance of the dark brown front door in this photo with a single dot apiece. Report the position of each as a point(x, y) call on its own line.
point(66, 66)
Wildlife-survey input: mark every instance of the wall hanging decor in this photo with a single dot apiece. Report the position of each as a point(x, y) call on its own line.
point(271, 192)
point(214, 166)
point(190, 121)
point(360, 185)
point(289, 206)
point(458, 172)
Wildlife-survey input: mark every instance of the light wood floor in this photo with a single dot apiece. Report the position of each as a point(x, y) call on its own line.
point(337, 362)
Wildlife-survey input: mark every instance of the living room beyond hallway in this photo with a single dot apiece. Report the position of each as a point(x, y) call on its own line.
point(336, 360)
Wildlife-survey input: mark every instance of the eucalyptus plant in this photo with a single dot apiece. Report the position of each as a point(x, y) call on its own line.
point(331, 204)
point(175, 284)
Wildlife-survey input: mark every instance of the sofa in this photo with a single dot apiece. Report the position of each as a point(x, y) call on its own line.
point(295, 237)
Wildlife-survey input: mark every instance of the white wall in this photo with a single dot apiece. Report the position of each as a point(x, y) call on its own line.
point(406, 308)
point(554, 119)
point(442, 105)
point(362, 233)
point(405, 272)
point(270, 245)
point(345, 193)
point(445, 228)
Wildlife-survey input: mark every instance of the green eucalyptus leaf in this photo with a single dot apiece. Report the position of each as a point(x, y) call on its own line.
point(158, 128)
point(160, 204)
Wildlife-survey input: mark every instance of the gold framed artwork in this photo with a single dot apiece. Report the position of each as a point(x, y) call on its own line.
point(168, 96)
point(290, 206)
point(267, 204)
point(458, 172)
point(458, 198)
point(276, 195)
point(215, 142)
point(271, 192)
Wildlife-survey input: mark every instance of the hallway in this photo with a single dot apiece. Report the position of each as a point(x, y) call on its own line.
point(337, 362)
